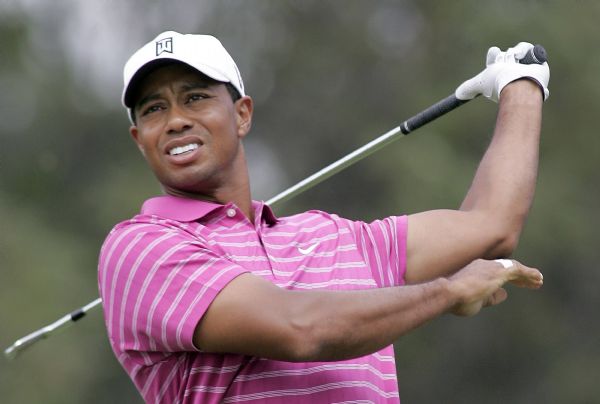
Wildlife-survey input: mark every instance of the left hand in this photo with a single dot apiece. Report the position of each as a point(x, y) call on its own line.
point(501, 69)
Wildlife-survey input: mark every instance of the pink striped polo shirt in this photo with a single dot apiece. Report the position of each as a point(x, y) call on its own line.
point(159, 272)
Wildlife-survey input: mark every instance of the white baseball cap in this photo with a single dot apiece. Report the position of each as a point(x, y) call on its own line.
point(205, 53)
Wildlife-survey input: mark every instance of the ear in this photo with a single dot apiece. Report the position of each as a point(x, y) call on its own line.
point(243, 109)
point(135, 134)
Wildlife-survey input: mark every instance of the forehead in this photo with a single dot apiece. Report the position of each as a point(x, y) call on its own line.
point(173, 75)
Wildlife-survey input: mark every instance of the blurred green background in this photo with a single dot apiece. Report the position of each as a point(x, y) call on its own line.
point(326, 77)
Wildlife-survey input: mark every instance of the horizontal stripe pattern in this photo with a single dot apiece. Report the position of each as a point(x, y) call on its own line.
point(157, 277)
point(311, 392)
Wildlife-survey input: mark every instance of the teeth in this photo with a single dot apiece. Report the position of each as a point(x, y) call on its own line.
point(183, 149)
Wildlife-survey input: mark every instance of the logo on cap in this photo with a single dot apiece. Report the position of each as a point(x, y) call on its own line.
point(164, 45)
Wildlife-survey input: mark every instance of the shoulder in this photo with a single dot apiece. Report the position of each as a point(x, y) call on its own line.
point(142, 222)
point(147, 227)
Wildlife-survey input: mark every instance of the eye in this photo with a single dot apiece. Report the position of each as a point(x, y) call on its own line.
point(196, 97)
point(150, 109)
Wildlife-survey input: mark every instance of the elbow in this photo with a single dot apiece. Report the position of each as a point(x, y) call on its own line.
point(314, 336)
point(318, 331)
point(504, 241)
point(493, 234)
point(303, 343)
point(505, 247)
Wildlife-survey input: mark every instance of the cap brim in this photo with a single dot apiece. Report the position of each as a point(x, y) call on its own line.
point(134, 83)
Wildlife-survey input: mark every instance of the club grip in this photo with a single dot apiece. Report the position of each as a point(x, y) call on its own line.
point(435, 111)
point(535, 55)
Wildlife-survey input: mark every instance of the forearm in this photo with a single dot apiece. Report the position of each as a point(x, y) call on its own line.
point(355, 323)
point(254, 317)
point(344, 325)
point(504, 184)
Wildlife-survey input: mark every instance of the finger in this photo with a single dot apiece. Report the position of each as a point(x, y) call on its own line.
point(469, 89)
point(497, 297)
point(520, 50)
point(492, 54)
point(523, 276)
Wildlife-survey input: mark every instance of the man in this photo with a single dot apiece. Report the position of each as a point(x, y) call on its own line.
point(209, 297)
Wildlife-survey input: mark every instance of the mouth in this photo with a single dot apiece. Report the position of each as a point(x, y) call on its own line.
point(179, 150)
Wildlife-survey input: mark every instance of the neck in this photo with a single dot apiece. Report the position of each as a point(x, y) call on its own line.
point(236, 189)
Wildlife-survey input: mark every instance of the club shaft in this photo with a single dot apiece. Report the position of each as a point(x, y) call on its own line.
point(435, 111)
point(63, 322)
point(336, 167)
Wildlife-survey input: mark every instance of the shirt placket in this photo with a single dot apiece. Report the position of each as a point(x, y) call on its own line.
point(259, 227)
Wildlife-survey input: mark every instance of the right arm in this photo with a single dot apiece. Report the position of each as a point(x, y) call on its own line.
point(251, 316)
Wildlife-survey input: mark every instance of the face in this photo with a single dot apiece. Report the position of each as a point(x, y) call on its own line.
point(190, 131)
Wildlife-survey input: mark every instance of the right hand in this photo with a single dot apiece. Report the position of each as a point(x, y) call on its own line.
point(501, 69)
point(479, 284)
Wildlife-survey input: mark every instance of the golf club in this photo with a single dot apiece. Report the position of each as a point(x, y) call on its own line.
point(536, 55)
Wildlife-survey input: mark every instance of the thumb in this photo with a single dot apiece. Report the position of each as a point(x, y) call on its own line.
point(469, 89)
point(492, 55)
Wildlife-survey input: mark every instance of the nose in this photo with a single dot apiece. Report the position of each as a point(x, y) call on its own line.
point(178, 122)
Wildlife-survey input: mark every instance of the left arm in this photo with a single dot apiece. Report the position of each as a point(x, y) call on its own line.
point(493, 213)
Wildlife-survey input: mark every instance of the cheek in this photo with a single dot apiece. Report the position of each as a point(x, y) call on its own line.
point(149, 148)
point(148, 140)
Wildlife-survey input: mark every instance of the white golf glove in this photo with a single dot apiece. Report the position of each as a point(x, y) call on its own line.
point(501, 69)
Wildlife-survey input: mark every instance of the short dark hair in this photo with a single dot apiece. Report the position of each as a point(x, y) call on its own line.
point(233, 92)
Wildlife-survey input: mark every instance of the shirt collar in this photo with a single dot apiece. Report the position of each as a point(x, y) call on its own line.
point(189, 210)
point(265, 212)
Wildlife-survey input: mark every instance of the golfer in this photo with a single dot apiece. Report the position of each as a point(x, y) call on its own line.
point(210, 297)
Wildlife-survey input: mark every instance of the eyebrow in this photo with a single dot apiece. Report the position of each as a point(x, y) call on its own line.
point(195, 85)
point(146, 99)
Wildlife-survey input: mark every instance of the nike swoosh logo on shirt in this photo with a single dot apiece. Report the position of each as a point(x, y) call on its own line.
point(308, 250)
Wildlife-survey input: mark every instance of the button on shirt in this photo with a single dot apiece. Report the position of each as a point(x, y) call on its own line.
point(159, 272)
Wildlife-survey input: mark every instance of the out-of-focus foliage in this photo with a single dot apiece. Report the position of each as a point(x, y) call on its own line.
point(326, 76)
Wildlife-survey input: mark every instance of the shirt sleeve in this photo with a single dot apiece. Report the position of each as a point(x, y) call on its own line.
point(382, 244)
point(156, 283)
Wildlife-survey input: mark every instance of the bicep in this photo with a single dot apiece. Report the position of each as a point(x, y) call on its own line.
point(250, 316)
point(440, 242)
